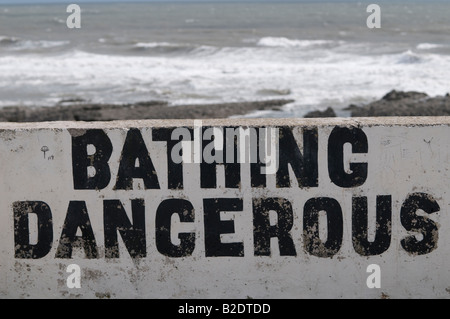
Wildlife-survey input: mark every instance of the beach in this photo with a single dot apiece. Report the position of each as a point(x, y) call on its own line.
point(136, 111)
point(217, 60)
point(394, 103)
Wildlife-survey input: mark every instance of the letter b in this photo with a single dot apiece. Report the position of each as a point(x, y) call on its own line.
point(81, 161)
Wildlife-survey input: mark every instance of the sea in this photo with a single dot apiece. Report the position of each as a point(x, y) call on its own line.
point(315, 53)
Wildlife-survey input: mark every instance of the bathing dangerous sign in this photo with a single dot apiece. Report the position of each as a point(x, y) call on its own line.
point(302, 207)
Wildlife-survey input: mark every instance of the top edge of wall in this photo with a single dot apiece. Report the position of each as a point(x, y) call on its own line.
point(362, 121)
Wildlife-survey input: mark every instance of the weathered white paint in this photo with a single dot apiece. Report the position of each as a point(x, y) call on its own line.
point(406, 155)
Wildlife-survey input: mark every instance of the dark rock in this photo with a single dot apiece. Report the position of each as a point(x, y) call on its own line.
point(137, 111)
point(399, 95)
point(397, 103)
point(351, 107)
point(329, 112)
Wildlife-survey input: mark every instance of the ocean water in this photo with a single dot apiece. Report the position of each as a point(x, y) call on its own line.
point(318, 54)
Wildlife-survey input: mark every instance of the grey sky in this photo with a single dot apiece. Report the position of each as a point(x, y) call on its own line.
point(87, 1)
point(106, 1)
point(58, 1)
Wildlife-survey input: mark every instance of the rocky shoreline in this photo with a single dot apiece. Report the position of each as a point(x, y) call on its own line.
point(395, 103)
point(82, 111)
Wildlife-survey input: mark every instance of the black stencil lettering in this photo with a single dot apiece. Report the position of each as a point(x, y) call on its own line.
point(23, 248)
point(208, 171)
point(258, 179)
point(312, 242)
point(358, 139)
point(116, 220)
point(134, 148)
point(174, 170)
point(77, 217)
point(214, 227)
point(263, 231)
point(420, 224)
point(360, 226)
point(305, 166)
point(185, 211)
point(99, 160)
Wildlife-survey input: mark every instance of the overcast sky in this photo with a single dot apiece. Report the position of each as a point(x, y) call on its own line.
point(104, 1)
point(85, 1)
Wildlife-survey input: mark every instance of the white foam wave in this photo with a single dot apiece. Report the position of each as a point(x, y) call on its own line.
point(231, 74)
point(17, 44)
point(410, 57)
point(155, 45)
point(428, 46)
point(183, 50)
point(289, 43)
point(58, 20)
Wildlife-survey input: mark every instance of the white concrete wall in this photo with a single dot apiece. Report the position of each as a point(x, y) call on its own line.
point(405, 156)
